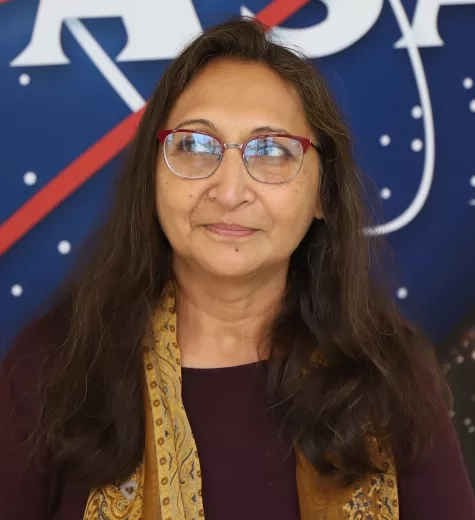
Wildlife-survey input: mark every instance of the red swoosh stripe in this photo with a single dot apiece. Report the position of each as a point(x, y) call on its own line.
point(279, 10)
point(101, 152)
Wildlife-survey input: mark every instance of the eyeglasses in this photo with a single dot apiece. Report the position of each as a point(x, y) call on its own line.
point(270, 158)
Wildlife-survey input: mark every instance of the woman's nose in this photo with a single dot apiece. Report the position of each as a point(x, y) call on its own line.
point(231, 183)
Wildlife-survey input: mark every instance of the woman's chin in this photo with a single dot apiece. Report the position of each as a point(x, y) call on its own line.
point(228, 267)
point(231, 270)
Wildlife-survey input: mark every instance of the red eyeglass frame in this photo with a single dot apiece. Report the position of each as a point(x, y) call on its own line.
point(304, 141)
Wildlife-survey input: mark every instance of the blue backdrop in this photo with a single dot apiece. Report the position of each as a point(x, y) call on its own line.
point(403, 72)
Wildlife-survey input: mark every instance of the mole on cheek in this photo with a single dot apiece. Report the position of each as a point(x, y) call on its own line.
point(237, 250)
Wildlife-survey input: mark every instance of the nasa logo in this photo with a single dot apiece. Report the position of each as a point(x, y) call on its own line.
point(147, 24)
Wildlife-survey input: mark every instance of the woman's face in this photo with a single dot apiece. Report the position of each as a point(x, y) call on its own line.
point(237, 98)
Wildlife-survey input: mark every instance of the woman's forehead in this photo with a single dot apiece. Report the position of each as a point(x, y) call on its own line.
point(244, 95)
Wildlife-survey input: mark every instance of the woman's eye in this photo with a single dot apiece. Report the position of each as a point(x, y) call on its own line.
point(276, 151)
point(192, 145)
point(272, 151)
point(187, 144)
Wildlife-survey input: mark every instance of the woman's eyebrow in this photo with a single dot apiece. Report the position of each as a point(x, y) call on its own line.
point(269, 130)
point(204, 122)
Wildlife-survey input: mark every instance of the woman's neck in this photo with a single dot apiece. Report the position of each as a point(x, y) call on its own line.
point(225, 322)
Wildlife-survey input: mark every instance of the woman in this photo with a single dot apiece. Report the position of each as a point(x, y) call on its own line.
point(225, 354)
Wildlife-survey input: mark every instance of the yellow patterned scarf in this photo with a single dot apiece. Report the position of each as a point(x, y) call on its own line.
point(167, 484)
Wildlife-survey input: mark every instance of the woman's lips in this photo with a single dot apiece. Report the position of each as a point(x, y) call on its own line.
point(230, 230)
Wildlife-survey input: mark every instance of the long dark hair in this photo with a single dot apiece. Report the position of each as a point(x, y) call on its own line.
point(378, 373)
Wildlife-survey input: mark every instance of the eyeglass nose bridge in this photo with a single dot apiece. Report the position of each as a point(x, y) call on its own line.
point(233, 145)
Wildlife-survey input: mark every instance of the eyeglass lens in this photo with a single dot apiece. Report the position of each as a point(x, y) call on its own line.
point(270, 159)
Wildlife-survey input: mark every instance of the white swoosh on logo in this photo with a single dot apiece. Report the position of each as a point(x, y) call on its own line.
point(422, 194)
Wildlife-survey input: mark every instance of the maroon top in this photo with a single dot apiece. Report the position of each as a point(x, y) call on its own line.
point(246, 473)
